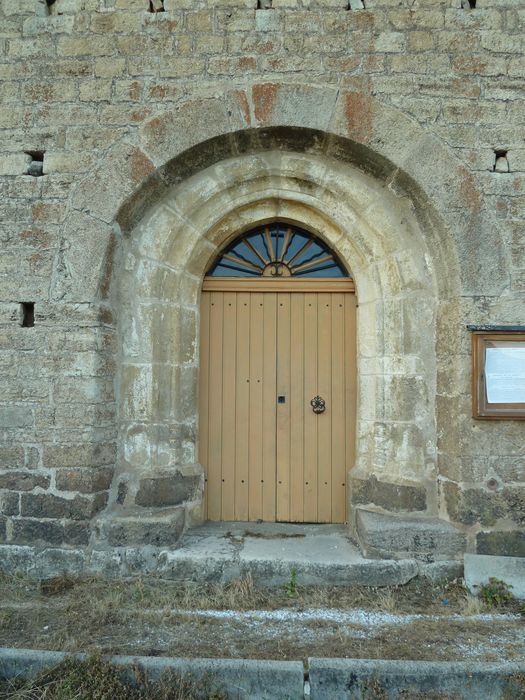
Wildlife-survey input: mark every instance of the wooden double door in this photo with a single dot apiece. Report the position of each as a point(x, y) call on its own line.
point(277, 399)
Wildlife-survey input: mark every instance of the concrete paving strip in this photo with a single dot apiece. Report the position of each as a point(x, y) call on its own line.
point(240, 678)
point(324, 679)
point(356, 679)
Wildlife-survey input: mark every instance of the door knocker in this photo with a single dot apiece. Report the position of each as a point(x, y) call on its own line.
point(318, 404)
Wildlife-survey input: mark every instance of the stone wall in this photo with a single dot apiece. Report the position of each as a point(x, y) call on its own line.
point(109, 110)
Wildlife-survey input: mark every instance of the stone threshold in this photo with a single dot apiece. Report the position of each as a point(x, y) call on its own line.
point(271, 553)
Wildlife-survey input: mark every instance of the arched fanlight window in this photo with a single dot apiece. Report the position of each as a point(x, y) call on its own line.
point(277, 250)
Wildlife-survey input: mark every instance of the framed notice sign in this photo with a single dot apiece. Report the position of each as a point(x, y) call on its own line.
point(498, 373)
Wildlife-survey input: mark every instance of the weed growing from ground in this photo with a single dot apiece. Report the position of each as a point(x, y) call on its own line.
point(291, 585)
point(496, 593)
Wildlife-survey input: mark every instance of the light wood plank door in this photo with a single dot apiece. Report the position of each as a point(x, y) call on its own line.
point(264, 357)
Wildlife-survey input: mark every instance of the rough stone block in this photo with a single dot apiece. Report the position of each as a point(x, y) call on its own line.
point(385, 536)
point(82, 455)
point(166, 490)
point(76, 532)
point(57, 562)
point(164, 529)
point(15, 417)
point(473, 505)
point(479, 568)
point(23, 481)
point(87, 480)
point(29, 531)
point(51, 506)
point(11, 457)
point(9, 503)
point(394, 497)
point(502, 543)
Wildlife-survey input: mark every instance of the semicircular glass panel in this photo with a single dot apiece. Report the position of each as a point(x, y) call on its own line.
point(277, 250)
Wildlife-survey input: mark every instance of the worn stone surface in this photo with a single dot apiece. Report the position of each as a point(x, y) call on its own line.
point(395, 131)
point(269, 552)
point(407, 536)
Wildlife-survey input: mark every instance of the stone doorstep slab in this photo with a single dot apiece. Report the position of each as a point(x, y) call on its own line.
point(250, 679)
point(272, 553)
point(479, 568)
point(354, 679)
point(406, 536)
point(323, 679)
point(275, 572)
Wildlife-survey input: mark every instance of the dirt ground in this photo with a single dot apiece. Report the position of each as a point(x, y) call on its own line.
point(153, 617)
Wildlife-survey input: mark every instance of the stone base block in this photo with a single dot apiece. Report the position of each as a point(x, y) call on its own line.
point(406, 537)
point(479, 568)
point(160, 529)
point(501, 543)
point(168, 489)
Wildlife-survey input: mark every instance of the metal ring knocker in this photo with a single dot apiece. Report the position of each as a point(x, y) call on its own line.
point(318, 404)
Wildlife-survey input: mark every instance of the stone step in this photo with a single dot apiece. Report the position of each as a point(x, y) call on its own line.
point(404, 536)
point(275, 554)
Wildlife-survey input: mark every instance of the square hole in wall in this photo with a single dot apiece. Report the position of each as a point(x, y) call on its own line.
point(156, 6)
point(27, 314)
point(501, 161)
point(49, 9)
point(36, 166)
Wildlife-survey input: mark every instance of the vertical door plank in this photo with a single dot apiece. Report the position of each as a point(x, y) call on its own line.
point(204, 376)
point(229, 361)
point(324, 420)
point(310, 419)
point(350, 382)
point(255, 486)
point(215, 408)
point(242, 418)
point(269, 468)
point(338, 410)
point(283, 409)
point(297, 407)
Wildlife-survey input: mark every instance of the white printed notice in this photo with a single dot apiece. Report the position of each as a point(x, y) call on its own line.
point(505, 374)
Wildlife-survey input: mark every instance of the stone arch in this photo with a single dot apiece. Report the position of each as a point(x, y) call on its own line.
point(329, 131)
point(163, 262)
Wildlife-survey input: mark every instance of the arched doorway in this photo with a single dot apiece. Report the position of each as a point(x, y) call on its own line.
point(277, 379)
